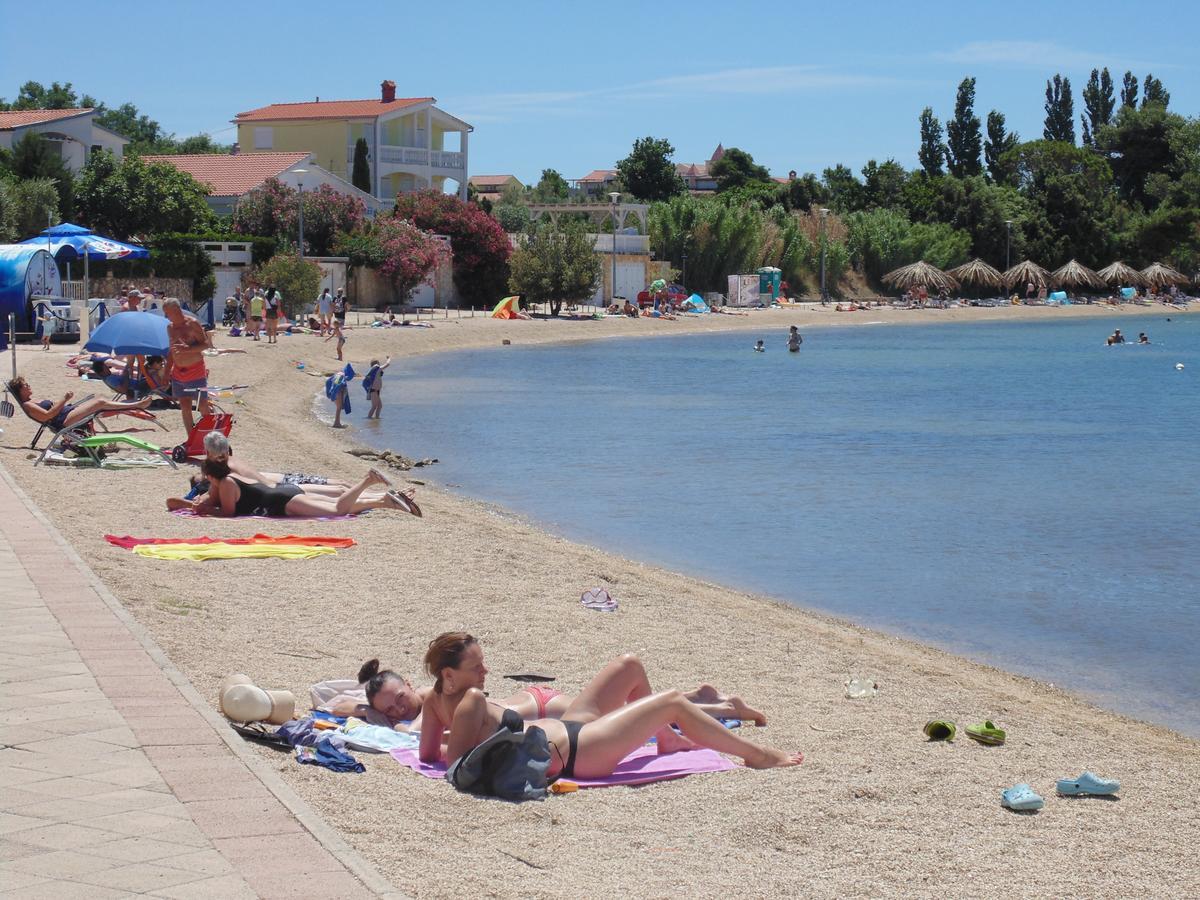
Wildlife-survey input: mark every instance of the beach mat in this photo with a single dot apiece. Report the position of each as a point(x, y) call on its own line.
point(218, 550)
point(190, 514)
point(340, 543)
point(642, 766)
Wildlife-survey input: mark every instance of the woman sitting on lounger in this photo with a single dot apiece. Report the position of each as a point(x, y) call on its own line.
point(392, 698)
point(608, 720)
point(58, 415)
point(230, 496)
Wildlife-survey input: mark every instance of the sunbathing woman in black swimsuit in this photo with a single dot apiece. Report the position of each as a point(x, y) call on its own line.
point(610, 718)
point(233, 497)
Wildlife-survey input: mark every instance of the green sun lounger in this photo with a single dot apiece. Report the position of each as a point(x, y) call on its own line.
point(93, 445)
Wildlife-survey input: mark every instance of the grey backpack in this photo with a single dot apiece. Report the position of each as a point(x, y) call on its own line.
point(510, 765)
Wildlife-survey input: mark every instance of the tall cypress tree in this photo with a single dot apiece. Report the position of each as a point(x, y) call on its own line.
point(963, 139)
point(1129, 90)
point(361, 174)
point(1098, 104)
point(1154, 92)
point(1060, 111)
point(999, 141)
point(932, 151)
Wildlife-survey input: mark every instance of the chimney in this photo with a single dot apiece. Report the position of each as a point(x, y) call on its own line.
point(387, 91)
point(235, 149)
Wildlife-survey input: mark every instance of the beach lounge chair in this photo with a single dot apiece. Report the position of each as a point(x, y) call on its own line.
point(93, 447)
point(193, 447)
point(97, 422)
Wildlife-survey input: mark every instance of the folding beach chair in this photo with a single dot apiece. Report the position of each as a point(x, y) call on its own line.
point(96, 422)
point(93, 447)
point(193, 447)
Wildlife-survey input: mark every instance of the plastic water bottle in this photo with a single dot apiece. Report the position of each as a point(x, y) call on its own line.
point(859, 688)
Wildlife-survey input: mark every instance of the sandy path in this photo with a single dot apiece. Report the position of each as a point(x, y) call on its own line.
point(874, 811)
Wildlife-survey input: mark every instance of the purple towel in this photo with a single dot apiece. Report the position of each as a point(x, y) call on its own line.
point(189, 514)
point(642, 766)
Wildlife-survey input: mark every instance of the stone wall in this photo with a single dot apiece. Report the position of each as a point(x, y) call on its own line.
point(168, 287)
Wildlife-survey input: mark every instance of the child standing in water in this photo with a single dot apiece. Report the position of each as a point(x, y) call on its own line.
point(339, 334)
point(373, 385)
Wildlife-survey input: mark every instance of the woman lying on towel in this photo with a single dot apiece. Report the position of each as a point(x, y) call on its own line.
point(216, 447)
point(609, 719)
point(392, 699)
point(229, 496)
point(58, 414)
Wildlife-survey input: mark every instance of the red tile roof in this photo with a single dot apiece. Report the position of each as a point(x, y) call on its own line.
point(231, 175)
point(599, 176)
point(18, 118)
point(490, 180)
point(328, 109)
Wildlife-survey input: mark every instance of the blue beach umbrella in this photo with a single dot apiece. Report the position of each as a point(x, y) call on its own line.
point(67, 242)
point(131, 334)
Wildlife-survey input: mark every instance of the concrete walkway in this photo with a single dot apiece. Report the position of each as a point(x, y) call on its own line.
point(115, 777)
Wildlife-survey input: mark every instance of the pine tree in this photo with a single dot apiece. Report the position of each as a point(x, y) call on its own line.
point(361, 174)
point(1060, 111)
point(1154, 92)
point(1098, 104)
point(1129, 90)
point(999, 141)
point(932, 151)
point(963, 138)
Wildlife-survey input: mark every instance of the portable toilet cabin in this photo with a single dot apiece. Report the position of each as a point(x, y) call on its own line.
point(769, 280)
point(25, 273)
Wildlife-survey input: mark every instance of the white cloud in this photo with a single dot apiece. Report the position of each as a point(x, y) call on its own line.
point(1041, 54)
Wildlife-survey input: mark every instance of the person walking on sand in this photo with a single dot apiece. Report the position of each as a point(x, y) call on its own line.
point(324, 310)
point(339, 309)
point(339, 334)
point(373, 385)
point(185, 361)
point(49, 325)
point(271, 306)
point(256, 312)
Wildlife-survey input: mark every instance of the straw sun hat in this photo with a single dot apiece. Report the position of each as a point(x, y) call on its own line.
point(243, 701)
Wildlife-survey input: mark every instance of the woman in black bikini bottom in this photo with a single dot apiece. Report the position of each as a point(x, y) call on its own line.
point(232, 497)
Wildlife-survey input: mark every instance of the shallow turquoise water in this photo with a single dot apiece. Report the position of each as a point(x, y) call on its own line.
point(1016, 492)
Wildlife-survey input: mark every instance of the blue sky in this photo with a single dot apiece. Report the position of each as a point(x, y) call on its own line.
point(566, 86)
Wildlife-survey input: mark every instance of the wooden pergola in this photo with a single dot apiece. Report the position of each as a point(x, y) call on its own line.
point(596, 212)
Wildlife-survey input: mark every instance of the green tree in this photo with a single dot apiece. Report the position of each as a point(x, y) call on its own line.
point(1060, 111)
point(963, 139)
point(1154, 93)
point(132, 199)
point(361, 174)
point(720, 239)
point(126, 120)
point(33, 95)
point(1142, 143)
point(737, 168)
point(297, 279)
point(844, 189)
point(648, 173)
point(999, 142)
point(513, 218)
point(933, 151)
point(34, 157)
point(551, 188)
point(883, 185)
point(803, 193)
point(555, 264)
point(201, 143)
point(1129, 90)
point(1098, 104)
point(28, 207)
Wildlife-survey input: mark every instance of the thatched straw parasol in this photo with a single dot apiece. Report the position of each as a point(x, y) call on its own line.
point(1120, 274)
point(920, 273)
point(1077, 275)
point(1025, 272)
point(1159, 275)
point(979, 273)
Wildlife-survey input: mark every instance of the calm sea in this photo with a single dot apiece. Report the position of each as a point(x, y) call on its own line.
point(1019, 493)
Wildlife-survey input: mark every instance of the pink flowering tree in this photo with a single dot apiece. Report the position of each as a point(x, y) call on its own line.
point(399, 251)
point(479, 244)
point(272, 210)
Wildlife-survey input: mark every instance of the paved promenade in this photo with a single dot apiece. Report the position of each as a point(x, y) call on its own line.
point(116, 778)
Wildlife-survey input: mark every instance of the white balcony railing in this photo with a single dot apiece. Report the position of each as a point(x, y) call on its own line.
point(447, 159)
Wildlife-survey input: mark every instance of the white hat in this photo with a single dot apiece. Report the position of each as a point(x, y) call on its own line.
point(249, 703)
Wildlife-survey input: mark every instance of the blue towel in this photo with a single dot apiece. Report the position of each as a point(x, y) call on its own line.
point(329, 756)
point(337, 383)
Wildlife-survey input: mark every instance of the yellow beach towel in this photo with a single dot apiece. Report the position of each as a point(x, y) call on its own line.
point(200, 552)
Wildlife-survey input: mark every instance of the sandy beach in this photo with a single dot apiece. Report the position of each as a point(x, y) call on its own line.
point(875, 810)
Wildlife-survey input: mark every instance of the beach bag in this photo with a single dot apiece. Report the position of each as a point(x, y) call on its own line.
point(510, 765)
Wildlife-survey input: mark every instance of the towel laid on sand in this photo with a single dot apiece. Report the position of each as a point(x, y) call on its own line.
point(302, 540)
point(218, 550)
point(642, 766)
point(192, 514)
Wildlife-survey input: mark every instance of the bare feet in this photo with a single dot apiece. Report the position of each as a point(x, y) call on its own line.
point(404, 500)
point(378, 477)
point(740, 710)
point(670, 742)
point(773, 759)
point(706, 693)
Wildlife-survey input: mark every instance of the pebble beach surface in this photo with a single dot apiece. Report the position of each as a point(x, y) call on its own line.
point(875, 810)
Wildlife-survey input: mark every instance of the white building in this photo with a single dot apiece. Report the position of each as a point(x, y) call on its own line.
point(71, 131)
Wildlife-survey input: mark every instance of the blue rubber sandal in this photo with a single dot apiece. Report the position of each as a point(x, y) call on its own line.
point(1021, 798)
point(1088, 784)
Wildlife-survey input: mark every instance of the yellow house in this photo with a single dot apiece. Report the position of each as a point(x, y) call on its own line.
point(411, 144)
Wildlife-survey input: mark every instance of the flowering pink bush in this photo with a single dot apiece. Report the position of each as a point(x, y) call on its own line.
point(273, 211)
point(401, 252)
point(478, 242)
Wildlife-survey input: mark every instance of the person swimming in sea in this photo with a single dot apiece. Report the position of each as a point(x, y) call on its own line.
point(1116, 338)
point(758, 346)
point(1142, 339)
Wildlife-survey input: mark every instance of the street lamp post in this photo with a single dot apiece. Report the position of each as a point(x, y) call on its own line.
point(614, 196)
point(1007, 243)
point(683, 276)
point(824, 293)
point(300, 187)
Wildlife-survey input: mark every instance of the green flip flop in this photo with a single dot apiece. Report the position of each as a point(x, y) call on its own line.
point(940, 730)
point(986, 733)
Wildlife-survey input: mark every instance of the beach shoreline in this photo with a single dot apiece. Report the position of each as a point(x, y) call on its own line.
point(871, 783)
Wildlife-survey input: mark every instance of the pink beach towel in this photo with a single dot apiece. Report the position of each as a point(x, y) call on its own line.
point(190, 514)
point(642, 766)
